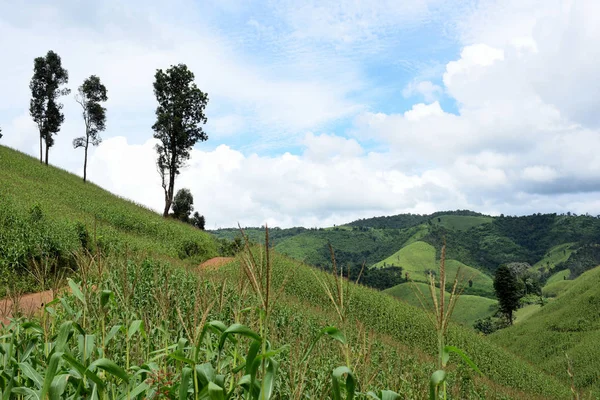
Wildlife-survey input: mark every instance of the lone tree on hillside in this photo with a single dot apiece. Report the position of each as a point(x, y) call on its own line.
point(45, 85)
point(198, 220)
point(508, 291)
point(89, 96)
point(183, 205)
point(179, 114)
point(0, 133)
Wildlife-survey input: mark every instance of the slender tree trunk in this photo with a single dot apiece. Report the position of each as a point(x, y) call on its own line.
point(46, 153)
point(41, 152)
point(169, 191)
point(85, 161)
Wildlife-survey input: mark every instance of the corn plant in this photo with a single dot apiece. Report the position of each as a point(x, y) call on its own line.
point(440, 318)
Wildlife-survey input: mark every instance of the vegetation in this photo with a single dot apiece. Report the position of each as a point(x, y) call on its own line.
point(508, 291)
point(47, 212)
point(90, 94)
point(468, 308)
point(569, 324)
point(44, 108)
point(202, 333)
point(179, 114)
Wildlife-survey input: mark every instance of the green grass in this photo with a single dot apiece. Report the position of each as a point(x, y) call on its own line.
point(559, 277)
point(416, 258)
point(569, 324)
point(523, 313)
point(557, 288)
point(468, 309)
point(555, 255)
point(419, 257)
point(62, 201)
point(460, 222)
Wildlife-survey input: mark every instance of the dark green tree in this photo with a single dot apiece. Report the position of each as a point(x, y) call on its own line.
point(44, 108)
point(89, 96)
point(179, 116)
point(198, 220)
point(0, 133)
point(508, 291)
point(183, 205)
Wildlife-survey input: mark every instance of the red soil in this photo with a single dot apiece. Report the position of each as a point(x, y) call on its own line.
point(27, 304)
point(215, 263)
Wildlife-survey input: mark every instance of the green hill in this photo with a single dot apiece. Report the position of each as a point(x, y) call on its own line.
point(132, 283)
point(554, 256)
point(468, 309)
point(568, 325)
point(418, 258)
point(461, 222)
point(48, 213)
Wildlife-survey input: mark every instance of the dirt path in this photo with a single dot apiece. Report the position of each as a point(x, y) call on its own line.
point(30, 303)
point(215, 263)
point(27, 304)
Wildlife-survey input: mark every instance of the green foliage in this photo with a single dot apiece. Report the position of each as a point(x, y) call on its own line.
point(45, 85)
point(568, 324)
point(581, 260)
point(460, 222)
point(468, 308)
point(179, 116)
point(90, 94)
point(559, 276)
point(183, 205)
point(49, 213)
point(556, 289)
point(508, 291)
point(198, 220)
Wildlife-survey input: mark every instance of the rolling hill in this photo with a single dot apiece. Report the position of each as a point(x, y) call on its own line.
point(569, 325)
point(51, 214)
point(131, 281)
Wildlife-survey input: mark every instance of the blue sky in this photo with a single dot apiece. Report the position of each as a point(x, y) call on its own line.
point(321, 112)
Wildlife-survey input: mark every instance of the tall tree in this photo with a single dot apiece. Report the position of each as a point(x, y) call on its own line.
point(508, 291)
point(45, 85)
point(179, 114)
point(183, 205)
point(0, 133)
point(89, 96)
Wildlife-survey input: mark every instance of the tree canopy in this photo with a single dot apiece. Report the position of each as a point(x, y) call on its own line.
point(44, 108)
point(508, 291)
point(89, 96)
point(179, 116)
point(183, 205)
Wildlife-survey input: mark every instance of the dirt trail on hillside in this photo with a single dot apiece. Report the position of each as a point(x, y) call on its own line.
point(215, 263)
point(30, 303)
point(27, 304)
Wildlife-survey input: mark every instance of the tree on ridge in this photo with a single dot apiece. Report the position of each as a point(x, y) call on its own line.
point(44, 108)
point(179, 114)
point(89, 96)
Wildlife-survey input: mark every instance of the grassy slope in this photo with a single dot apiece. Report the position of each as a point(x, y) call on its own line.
point(468, 309)
point(557, 288)
point(64, 198)
point(555, 255)
point(410, 326)
point(524, 313)
point(559, 277)
point(419, 257)
point(460, 222)
point(570, 324)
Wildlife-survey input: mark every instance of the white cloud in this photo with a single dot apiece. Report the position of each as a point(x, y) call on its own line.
point(525, 136)
point(430, 91)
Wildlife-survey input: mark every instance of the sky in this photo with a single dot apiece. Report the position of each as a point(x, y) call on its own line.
point(322, 112)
